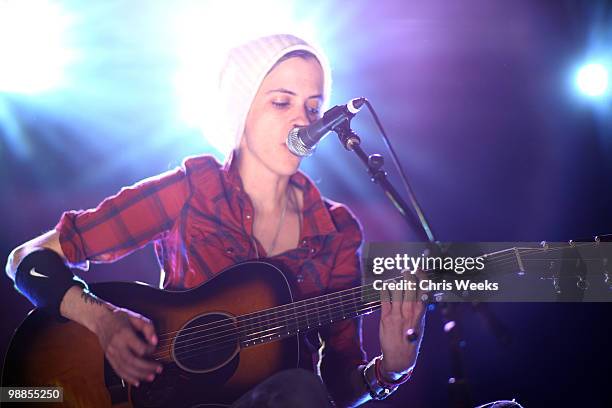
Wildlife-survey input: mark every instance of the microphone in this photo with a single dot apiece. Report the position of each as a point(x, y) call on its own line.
point(302, 141)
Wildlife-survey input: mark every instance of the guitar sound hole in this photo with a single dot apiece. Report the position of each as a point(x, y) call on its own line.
point(206, 343)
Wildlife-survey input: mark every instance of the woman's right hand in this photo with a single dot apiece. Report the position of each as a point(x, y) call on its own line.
point(127, 338)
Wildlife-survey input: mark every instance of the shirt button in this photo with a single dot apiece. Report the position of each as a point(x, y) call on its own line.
point(248, 216)
point(300, 278)
point(304, 242)
point(229, 250)
point(312, 250)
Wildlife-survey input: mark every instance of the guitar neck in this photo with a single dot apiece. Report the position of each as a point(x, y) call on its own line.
point(305, 315)
point(294, 318)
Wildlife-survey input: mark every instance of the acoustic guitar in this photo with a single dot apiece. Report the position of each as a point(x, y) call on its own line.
point(222, 338)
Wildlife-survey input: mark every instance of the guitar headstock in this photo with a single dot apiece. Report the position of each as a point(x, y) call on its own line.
point(578, 269)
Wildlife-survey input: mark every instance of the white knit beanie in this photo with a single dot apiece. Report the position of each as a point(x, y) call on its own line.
point(244, 71)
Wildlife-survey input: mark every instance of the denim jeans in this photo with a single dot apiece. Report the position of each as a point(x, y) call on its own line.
point(294, 388)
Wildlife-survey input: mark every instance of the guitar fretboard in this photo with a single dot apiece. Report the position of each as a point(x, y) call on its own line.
point(302, 316)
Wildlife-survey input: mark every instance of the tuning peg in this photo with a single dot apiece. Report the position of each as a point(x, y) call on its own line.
point(608, 279)
point(582, 283)
point(603, 238)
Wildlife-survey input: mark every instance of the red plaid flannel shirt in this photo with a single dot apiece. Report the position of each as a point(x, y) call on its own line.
point(201, 222)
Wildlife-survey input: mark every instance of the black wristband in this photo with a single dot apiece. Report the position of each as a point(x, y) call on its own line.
point(43, 277)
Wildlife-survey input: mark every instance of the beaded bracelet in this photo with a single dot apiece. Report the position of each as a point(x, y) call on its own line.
point(382, 382)
point(378, 387)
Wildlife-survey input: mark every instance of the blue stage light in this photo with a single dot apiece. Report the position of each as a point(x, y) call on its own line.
point(592, 79)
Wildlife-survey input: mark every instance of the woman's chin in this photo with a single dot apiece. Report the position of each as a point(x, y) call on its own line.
point(286, 165)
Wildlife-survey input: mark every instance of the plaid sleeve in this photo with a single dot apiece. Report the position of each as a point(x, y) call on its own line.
point(124, 222)
point(343, 351)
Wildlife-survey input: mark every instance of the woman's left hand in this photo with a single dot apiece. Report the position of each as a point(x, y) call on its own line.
point(402, 322)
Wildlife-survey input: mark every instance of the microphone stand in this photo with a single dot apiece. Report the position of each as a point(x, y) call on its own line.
point(458, 387)
point(374, 163)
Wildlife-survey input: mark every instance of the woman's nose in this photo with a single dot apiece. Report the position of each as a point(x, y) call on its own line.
point(301, 118)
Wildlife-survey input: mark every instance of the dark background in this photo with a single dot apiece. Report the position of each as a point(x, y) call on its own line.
point(477, 98)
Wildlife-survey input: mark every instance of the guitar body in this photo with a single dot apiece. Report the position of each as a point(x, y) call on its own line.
point(197, 371)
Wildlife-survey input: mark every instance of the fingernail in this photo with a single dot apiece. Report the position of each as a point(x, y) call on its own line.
point(151, 377)
point(136, 384)
point(159, 369)
point(154, 339)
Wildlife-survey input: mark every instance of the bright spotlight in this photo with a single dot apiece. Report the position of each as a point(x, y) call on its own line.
point(592, 79)
point(33, 55)
point(204, 32)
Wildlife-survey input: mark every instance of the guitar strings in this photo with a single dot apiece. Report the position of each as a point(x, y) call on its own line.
point(272, 333)
point(512, 257)
point(275, 332)
point(497, 260)
point(212, 346)
point(170, 334)
point(350, 303)
point(584, 260)
point(269, 321)
point(296, 323)
point(503, 257)
point(283, 326)
point(317, 304)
